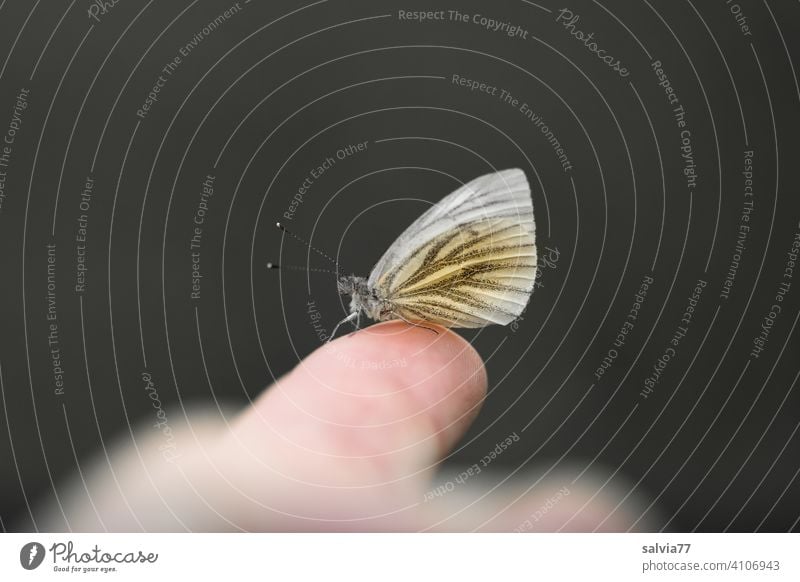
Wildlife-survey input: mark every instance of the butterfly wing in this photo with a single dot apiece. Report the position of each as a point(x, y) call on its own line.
point(469, 261)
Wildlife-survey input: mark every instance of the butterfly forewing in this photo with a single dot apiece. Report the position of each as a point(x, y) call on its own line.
point(469, 261)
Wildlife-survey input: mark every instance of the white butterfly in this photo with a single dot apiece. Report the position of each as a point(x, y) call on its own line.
point(469, 261)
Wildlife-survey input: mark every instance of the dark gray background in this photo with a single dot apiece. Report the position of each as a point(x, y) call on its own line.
point(340, 76)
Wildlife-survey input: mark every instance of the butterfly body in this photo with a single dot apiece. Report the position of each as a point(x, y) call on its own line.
point(364, 299)
point(469, 261)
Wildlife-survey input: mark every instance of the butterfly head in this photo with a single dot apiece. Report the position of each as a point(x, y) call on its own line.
point(363, 298)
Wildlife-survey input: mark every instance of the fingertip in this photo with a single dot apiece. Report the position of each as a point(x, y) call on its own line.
point(392, 383)
point(365, 419)
point(431, 360)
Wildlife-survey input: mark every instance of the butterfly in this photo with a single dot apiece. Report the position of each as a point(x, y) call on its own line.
point(467, 262)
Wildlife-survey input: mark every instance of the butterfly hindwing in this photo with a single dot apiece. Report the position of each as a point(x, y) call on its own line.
point(469, 261)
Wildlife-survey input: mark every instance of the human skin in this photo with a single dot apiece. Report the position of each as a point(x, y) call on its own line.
point(349, 440)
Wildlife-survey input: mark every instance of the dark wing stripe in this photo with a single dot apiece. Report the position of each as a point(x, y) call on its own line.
point(463, 277)
point(496, 285)
point(441, 315)
point(437, 307)
point(479, 239)
point(458, 255)
point(438, 246)
point(391, 275)
point(475, 263)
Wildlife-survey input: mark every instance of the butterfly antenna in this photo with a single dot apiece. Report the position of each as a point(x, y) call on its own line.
point(310, 246)
point(276, 267)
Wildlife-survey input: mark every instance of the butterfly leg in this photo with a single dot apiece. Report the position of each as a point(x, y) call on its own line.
point(350, 317)
point(415, 324)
